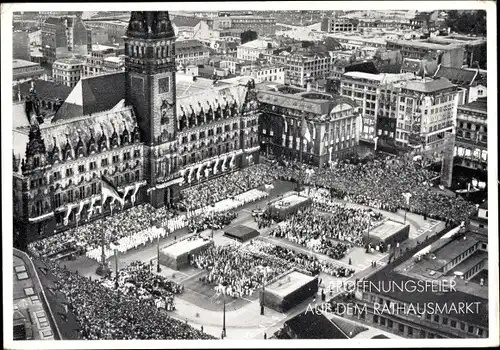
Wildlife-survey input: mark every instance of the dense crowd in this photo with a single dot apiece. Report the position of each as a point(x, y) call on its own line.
point(138, 280)
point(87, 237)
point(317, 231)
point(225, 186)
point(381, 183)
point(105, 313)
point(236, 272)
point(303, 261)
point(212, 220)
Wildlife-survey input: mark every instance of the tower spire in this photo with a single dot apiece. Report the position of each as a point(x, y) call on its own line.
point(150, 25)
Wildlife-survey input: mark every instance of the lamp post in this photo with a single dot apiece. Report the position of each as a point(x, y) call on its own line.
point(224, 319)
point(103, 269)
point(158, 269)
point(263, 291)
point(116, 268)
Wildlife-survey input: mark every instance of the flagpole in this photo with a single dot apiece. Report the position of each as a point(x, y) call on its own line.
point(116, 268)
point(102, 269)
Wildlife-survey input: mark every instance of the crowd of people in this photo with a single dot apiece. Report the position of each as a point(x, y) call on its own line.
point(138, 280)
point(211, 220)
point(236, 272)
point(105, 313)
point(380, 183)
point(134, 222)
point(303, 261)
point(225, 186)
point(320, 232)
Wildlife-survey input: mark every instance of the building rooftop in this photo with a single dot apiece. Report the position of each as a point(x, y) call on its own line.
point(479, 106)
point(251, 17)
point(69, 61)
point(354, 37)
point(424, 44)
point(45, 90)
point(382, 78)
point(188, 44)
point(428, 85)
point(113, 59)
point(79, 127)
point(92, 95)
point(99, 47)
point(319, 104)
point(309, 325)
point(52, 20)
point(427, 296)
point(256, 44)
point(23, 63)
point(31, 321)
point(456, 75)
point(192, 96)
point(182, 21)
point(412, 65)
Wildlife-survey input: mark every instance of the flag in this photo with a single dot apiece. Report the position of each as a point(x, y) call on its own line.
point(109, 190)
point(92, 203)
point(285, 124)
point(68, 212)
point(375, 139)
point(305, 130)
point(77, 217)
point(407, 196)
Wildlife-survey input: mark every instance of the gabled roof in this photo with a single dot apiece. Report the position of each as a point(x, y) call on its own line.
point(210, 95)
point(92, 95)
point(116, 118)
point(456, 75)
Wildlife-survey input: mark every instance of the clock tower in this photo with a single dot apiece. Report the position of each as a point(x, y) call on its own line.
point(150, 89)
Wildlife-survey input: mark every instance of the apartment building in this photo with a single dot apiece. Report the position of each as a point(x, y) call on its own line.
point(23, 71)
point(255, 49)
point(376, 96)
point(339, 24)
point(21, 45)
point(67, 71)
point(262, 73)
point(63, 37)
point(427, 113)
point(471, 142)
point(191, 52)
point(450, 55)
point(302, 67)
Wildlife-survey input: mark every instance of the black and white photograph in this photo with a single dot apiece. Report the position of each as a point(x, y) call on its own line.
point(237, 174)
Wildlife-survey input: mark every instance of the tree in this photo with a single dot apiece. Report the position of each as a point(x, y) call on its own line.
point(467, 22)
point(248, 35)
